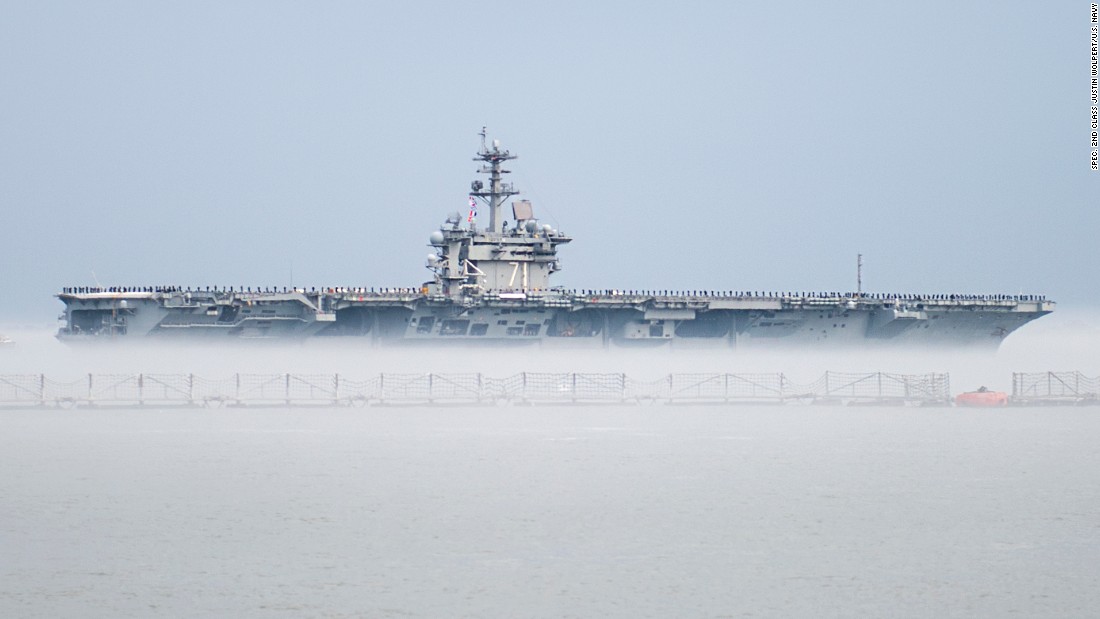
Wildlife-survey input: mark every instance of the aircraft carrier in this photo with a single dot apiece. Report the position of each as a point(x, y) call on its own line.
point(492, 285)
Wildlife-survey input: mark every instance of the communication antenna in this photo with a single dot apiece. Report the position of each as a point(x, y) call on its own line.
point(96, 280)
point(859, 274)
point(498, 191)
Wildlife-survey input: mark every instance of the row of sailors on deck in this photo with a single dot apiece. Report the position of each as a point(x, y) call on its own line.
point(238, 289)
point(753, 294)
point(118, 289)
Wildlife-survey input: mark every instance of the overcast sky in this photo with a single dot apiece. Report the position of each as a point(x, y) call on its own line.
point(723, 145)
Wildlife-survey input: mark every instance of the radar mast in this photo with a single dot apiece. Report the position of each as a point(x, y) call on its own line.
point(498, 191)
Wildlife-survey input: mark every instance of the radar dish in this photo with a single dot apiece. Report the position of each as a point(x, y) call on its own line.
point(522, 209)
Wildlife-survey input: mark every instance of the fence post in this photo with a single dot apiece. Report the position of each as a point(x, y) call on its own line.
point(42, 389)
point(286, 388)
point(431, 385)
point(336, 388)
point(89, 387)
point(191, 389)
point(141, 390)
point(237, 395)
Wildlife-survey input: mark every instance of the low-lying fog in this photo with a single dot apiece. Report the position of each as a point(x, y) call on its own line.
point(557, 511)
point(1063, 341)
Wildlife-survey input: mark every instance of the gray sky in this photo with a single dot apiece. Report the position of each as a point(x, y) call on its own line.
point(690, 145)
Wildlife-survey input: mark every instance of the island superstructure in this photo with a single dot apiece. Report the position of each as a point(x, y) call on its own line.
point(493, 285)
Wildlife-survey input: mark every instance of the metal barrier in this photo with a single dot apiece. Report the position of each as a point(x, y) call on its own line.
point(1047, 388)
point(159, 390)
point(884, 386)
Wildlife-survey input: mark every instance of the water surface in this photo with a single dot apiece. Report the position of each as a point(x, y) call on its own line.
point(650, 511)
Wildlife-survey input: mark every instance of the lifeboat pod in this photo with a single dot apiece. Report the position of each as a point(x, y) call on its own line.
point(982, 398)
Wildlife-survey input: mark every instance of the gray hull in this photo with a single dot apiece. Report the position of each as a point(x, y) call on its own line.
point(552, 318)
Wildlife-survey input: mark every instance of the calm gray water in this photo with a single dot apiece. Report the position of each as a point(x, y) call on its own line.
point(550, 512)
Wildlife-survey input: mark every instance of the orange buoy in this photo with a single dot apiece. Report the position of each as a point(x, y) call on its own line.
point(982, 397)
